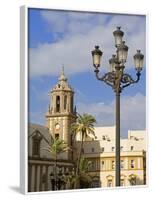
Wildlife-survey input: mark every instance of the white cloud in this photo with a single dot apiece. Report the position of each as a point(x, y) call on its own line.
point(133, 112)
point(71, 22)
point(80, 33)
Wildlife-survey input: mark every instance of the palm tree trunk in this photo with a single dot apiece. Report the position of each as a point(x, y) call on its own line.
point(55, 172)
point(76, 185)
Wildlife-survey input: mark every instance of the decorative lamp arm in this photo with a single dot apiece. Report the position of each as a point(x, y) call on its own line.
point(128, 80)
point(108, 78)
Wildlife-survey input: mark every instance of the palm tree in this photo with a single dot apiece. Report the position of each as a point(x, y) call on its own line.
point(84, 126)
point(83, 179)
point(56, 147)
point(70, 179)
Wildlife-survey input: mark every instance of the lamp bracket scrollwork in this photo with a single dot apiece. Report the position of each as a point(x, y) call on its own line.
point(117, 82)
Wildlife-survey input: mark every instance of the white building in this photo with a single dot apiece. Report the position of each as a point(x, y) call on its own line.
point(101, 152)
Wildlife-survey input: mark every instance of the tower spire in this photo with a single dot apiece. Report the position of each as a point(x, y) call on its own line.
point(62, 76)
point(62, 69)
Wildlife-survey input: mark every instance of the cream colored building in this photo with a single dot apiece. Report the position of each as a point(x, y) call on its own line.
point(99, 150)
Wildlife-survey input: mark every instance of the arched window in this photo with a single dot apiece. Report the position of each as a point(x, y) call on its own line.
point(57, 135)
point(109, 181)
point(113, 164)
point(65, 102)
point(57, 103)
point(132, 164)
point(36, 147)
point(36, 140)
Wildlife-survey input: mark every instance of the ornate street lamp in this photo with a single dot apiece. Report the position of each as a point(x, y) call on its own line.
point(118, 80)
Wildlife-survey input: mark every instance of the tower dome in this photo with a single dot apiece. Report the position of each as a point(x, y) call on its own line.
point(62, 83)
point(62, 76)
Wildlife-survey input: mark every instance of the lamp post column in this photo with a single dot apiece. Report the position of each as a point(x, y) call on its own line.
point(118, 80)
point(117, 151)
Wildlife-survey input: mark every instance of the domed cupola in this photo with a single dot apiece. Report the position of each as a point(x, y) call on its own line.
point(62, 83)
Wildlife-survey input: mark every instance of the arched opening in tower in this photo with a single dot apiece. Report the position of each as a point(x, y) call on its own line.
point(65, 102)
point(58, 104)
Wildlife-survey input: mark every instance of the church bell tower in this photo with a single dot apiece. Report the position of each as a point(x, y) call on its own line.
point(61, 113)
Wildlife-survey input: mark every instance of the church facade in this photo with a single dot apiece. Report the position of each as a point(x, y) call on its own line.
point(100, 151)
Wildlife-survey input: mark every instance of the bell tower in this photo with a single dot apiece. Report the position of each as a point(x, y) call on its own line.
point(61, 113)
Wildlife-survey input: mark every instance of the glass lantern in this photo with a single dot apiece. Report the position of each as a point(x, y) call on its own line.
point(122, 52)
point(138, 60)
point(118, 34)
point(96, 56)
point(112, 63)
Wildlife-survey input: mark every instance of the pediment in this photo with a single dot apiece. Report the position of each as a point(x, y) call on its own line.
point(37, 135)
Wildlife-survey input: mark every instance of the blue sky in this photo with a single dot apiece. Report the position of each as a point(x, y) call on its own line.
point(66, 38)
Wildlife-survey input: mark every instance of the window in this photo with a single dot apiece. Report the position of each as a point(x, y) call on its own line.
point(122, 164)
point(92, 166)
point(36, 140)
point(112, 148)
point(65, 102)
point(58, 104)
point(56, 135)
point(132, 164)
point(132, 148)
point(103, 137)
point(71, 103)
point(92, 149)
point(82, 150)
point(36, 147)
point(121, 148)
point(71, 139)
point(113, 164)
point(98, 164)
point(102, 149)
point(102, 164)
point(109, 184)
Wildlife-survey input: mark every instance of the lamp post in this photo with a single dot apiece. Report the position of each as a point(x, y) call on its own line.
point(118, 80)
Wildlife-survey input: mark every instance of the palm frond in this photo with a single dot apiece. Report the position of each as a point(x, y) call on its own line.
point(56, 146)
